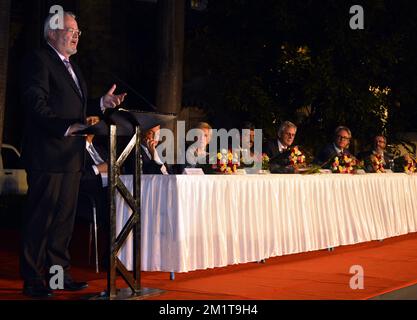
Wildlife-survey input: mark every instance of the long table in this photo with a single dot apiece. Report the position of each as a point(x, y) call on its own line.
point(198, 222)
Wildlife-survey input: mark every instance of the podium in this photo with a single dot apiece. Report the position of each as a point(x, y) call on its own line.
point(126, 123)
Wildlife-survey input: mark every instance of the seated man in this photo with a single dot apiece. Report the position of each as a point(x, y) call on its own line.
point(280, 150)
point(151, 162)
point(339, 147)
point(286, 136)
point(250, 138)
point(248, 151)
point(377, 159)
point(93, 186)
point(94, 182)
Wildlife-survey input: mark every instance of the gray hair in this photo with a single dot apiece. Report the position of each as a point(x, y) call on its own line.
point(285, 125)
point(47, 24)
point(340, 128)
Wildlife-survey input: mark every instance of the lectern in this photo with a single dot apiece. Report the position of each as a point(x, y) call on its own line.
point(125, 123)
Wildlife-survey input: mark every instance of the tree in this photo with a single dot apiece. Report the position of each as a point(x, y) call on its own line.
point(269, 61)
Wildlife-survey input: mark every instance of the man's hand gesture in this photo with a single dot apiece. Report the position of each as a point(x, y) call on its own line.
point(111, 100)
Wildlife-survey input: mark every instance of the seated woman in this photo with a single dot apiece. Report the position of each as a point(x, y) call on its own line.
point(197, 155)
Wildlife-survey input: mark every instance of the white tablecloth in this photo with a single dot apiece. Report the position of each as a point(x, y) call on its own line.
point(198, 222)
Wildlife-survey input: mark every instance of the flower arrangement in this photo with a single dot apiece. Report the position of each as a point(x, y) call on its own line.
point(405, 163)
point(344, 164)
point(227, 162)
point(259, 162)
point(265, 161)
point(410, 165)
point(377, 163)
point(296, 157)
point(289, 161)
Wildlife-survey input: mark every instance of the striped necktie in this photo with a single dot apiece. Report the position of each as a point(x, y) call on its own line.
point(72, 73)
point(95, 155)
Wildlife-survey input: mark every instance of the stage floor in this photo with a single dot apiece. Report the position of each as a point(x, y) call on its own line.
point(388, 265)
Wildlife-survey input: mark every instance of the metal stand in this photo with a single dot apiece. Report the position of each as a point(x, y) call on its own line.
point(135, 291)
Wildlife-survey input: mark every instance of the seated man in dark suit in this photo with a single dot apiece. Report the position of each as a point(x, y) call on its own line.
point(286, 136)
point(94, 181)
point(339, 147)
point(93, 186)
point(151, 161)
point(377, 159)
point(278, 150)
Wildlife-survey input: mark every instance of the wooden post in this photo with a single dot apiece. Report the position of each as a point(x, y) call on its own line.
point(170, 46)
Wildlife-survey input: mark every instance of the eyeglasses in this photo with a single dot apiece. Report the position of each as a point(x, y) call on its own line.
point(73, 31)
point(343, 138)
point(289, 134)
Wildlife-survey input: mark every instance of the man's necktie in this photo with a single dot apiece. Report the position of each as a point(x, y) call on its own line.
point(72, 73)
point(95, 155)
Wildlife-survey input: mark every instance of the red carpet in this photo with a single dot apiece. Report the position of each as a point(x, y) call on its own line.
point(388, 265)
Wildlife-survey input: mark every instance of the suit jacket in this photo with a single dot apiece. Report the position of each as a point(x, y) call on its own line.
point(366, 157)
point(88, 171)
point(271, 148)
point(91, 186)
point(52, 103)
point(278, 161)
point(328, 152)
point(150, 166)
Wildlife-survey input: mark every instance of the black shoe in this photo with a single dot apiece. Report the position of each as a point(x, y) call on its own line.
point(74, 286)
point(37, 290)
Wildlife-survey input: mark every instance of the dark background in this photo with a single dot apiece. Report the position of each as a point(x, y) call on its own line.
point(264, 61)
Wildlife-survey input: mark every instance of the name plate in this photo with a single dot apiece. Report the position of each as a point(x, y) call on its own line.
point(325, 171)
point(193, 171)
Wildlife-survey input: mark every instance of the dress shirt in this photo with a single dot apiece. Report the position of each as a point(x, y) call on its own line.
point(156, 158)
point(339, 151)
point(97, 160)
point(281, 147)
